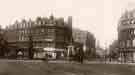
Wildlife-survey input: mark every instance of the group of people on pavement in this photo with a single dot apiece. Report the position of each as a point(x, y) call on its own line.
point(78, 55)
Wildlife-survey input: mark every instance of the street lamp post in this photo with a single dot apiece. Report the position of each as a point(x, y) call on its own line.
point(105, 56)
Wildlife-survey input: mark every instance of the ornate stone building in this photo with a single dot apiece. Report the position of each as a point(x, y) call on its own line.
point(126, 36)
point(48, 36)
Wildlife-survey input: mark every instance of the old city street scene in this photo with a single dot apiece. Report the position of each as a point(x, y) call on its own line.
point(67, 37)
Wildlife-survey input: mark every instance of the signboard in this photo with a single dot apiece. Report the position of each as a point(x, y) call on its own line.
point(49, 49)
point(52, 49)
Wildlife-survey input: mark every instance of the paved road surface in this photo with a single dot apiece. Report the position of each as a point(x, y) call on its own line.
point(31, 67)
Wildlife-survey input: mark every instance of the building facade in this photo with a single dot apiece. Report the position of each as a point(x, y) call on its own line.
point(49, 37)
point(3, 43)
point(86, 40)
point(126, 36)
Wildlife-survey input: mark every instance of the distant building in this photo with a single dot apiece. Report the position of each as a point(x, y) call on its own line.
point(48, 36)
point(84, 39)
point(100, 52)
point(114, 46)
point(126, 36)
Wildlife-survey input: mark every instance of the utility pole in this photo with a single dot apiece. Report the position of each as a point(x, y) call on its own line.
point(105, 53)
point(30, 49)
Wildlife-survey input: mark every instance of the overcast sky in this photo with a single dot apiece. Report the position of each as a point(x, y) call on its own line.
point(97, 16)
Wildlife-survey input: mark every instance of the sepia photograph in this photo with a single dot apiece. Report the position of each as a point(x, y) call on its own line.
point(67, 37)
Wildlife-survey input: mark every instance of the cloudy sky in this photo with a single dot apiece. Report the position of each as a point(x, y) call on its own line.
point(97, 16)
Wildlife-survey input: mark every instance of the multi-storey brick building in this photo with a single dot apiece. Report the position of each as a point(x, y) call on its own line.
point(48, 36)
point(126, 36)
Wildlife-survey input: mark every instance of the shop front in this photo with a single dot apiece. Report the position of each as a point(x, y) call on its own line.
point(54, 53)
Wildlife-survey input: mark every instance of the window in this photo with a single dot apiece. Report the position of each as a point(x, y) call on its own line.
point(19, 38)
point(42, 30)
point(24, 25)
point(23, 32)
point(23, 38)
point(131, 32)
point(50, 30)
point(134, 43)
point(49, 44)
point(39, 22)
point(128, 43)
point(122, 44)
point(50, 36)
point(51, 21)
point(44, 22)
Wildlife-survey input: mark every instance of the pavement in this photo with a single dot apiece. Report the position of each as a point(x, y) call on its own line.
point(64, 61)
point(89, 62)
